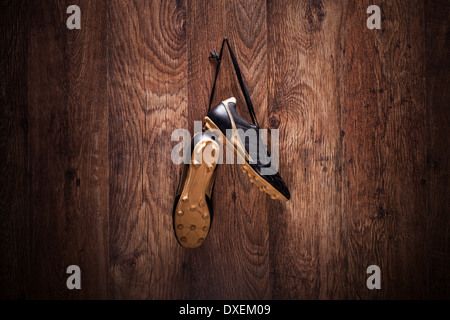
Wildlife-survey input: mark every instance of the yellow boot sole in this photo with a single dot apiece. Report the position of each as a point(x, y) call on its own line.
point(192, 218)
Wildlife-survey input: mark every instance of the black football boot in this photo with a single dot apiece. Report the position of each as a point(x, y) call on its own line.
point(192, 210)
point(224, 116)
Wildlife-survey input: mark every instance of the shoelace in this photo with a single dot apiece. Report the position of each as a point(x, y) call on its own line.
point(218, 57)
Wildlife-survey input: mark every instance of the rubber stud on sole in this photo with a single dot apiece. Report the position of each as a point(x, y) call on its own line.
point(200, 147)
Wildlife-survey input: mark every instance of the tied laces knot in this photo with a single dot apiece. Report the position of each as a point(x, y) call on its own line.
point(214, 55)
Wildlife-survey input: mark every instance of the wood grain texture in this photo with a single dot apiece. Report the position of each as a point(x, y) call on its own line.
point(129, 261)
point(209, 264)
point(386, 153)
point(437, 69)
point(147, 99)
point(247, 25)
point(165, 77)
point(306, 99)
point(85, 139)
point(233, 262)
point(14, 196)
point(68, 150)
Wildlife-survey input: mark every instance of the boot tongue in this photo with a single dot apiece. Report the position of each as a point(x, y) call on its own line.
point(231, 102)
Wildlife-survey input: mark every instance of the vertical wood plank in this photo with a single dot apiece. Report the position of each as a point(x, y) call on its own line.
point(147, 101)
point(68, 150)
point(165, 78)
point(437, 15)
point(247, 23)
point(210, 277)
point(129, 261)
point(233, 261)
point(386, 149)
point(14, 196)
point(307, 105)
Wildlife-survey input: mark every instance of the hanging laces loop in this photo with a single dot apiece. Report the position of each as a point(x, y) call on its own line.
point(218, 58)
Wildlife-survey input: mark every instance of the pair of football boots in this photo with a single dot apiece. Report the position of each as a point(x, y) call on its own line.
point(192, 211)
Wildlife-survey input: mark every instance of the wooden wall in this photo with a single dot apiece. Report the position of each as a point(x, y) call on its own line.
point(86, 121)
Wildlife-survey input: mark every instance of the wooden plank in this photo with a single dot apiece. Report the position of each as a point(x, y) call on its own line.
point(68, 150)
point(129, 266)
point(233, 261)
point(248, 32)
point(307, 105)
point(165, 76)
point(437, 15)
point(386, 148)
point(14, 196)
point(147, 101)
point(210, 276)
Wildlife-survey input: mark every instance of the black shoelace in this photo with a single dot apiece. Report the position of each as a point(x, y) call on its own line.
point(218, 57)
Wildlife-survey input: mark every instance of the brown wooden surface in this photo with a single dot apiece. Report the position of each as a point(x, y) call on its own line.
point(386, 152)
point(307, 85)
point(68, 150)
point(147, 93)
point(437, 85)
point(86, 123)
point(238, 239)
point(14, 195)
